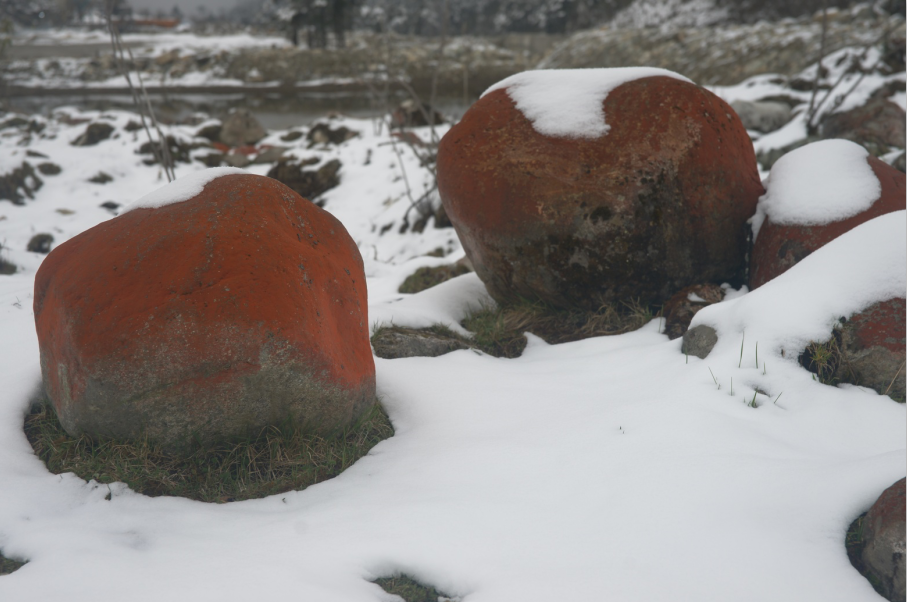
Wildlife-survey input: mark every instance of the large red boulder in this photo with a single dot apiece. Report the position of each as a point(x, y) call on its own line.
point(653, 199)
point(787, 235)
point(206, 320)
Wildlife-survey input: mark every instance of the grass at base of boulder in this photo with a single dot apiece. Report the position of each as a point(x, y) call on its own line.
point(854, 543)
point(499, 331)
point(276, 461)
point(427, 277)
point(8, 565)
point(409, 589)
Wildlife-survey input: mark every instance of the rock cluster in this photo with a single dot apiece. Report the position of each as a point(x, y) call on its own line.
point(204, 320)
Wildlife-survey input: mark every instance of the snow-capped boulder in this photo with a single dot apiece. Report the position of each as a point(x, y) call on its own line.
point(815, 194)
point(884, 543)
point(586, 186)
point(214, 307)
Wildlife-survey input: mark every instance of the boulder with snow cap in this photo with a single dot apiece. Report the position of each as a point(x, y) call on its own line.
point(215, 307)
point(580, 187)
point(815, 194)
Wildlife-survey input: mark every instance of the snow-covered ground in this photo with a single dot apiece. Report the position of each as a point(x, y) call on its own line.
point(613, 468)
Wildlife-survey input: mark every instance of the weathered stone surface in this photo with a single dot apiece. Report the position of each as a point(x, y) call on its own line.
point(764, 116)
point(779, 247)
point(309, 184)
point(240, 127)
point(40, 243)
point(658, 203)
point(877, 125)
point(682, 306)
point(884, 545)
point(873, 344)
point(395, 342)
point(899, 163)
point(699, 341)
point(93, 134)
point(211, 319)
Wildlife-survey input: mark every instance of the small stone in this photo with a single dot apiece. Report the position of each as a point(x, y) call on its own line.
point(110, 206)
point(240, 128)
point(36, 154)
point(234, 159)
point(269, 154)
point(762, 116)
point(40, 243)
point(699, 341)
point(93, 134)
point(395, 342)
point(49, 169)
point(101, 178)
point(211, 132)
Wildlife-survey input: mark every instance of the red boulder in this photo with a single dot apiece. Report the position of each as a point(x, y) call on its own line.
point(883, 541)
point(873, 344)
point(206, 320)
point(778, 247)
point(657, 202)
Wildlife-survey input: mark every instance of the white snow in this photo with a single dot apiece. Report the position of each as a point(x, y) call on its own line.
point(612, 468)
point(820, 183)
point(804, 303)
point(567, 103)
point(182, 189)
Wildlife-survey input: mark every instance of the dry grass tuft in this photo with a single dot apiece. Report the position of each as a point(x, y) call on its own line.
point(499, 331)
point(277, 460)
point(8, 565)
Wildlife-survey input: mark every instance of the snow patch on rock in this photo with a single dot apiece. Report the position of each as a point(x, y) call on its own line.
point(567, 103)
point(820, 183)
point(182, 189)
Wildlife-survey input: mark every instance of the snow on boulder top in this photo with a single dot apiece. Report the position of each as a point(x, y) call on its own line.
point(182, 189)
point(567, 103)
point(820, 183)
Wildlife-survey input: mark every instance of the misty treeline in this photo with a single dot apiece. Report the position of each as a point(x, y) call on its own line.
point(322, 23)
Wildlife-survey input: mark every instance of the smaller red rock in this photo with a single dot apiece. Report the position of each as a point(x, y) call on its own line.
point(873, 348)
point(884, 542)
point(779, 247)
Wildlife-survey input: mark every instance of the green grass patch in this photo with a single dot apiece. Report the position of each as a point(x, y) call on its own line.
point(8, 565)
point(277, 460)
point(409, 589)
point(425, 278)
point(499, 331)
